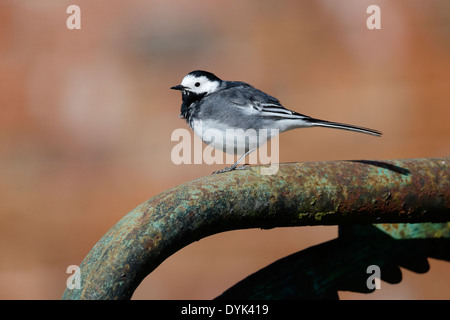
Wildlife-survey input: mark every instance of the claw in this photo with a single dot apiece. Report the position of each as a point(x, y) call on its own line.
point(235, 165)
point(232, 168)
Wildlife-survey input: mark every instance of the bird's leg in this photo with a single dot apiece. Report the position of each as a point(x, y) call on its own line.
point(235, 165)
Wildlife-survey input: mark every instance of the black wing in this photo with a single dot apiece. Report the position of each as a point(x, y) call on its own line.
point(243, 94)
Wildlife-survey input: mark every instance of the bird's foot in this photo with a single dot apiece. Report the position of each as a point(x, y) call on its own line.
point(232, 168)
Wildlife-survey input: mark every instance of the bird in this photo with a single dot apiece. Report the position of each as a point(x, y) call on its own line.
point(213, 108)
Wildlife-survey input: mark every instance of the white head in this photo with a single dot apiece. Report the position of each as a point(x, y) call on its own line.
point(199, 82)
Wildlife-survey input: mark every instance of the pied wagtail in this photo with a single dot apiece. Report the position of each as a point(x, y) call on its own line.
point(211, 105)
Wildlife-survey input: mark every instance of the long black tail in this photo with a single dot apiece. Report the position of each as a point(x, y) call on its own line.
point(343, 126)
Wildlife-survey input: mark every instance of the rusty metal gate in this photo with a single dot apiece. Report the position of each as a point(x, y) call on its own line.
point(391, 213)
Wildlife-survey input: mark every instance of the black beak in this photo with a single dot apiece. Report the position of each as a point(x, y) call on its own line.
point(178, 87)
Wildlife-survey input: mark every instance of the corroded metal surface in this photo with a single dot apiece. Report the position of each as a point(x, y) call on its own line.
point(314, 193)
point(424, 230)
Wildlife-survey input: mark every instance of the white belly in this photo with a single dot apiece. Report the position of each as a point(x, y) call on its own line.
point(231, 140)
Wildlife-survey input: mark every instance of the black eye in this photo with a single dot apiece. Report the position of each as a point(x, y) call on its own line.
point(197, 84)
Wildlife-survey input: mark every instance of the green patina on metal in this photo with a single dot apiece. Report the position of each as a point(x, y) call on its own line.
point(416, 230)
point(314, 193)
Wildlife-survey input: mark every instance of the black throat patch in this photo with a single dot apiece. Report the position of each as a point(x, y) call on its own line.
point(189, 98)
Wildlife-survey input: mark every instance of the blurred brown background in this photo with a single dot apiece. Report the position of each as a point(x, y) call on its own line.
point(87, 115)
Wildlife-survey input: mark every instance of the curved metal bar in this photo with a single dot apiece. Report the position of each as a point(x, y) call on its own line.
point(313, 193)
